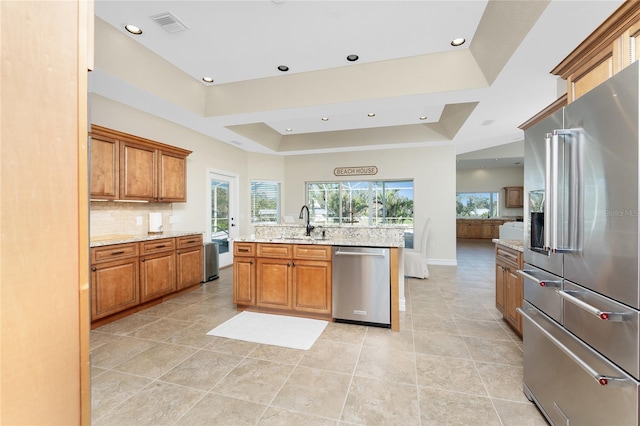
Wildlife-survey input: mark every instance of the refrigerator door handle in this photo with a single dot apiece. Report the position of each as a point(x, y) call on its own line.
point(600, 378)
point(548, 191)
point(603, 315)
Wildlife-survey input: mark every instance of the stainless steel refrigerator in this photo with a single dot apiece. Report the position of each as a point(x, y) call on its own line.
point(581, 273)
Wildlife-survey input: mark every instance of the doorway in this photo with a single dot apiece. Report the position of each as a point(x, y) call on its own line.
point(222, 213)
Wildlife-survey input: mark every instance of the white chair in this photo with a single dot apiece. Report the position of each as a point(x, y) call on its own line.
point(415, 260)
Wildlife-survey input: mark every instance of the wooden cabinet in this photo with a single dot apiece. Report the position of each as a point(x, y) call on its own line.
point(104, 168)
point(513, 196)
point(138, 169)
point(157, 268)
point(478, 228)
point(607, 50)
point(283, 278)
point(509, 285)
point(114, 279)
point(312, 279)
point(189, 261)
point(244, 274)
point(126, 278)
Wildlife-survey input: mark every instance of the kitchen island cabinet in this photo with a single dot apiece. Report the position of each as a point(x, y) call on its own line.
point(509, 283)
point(244, 274)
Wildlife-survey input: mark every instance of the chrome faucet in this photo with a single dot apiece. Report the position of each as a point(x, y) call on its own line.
point(308, 225)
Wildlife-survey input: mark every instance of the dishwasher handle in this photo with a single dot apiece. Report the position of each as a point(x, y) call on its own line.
point(354, 253)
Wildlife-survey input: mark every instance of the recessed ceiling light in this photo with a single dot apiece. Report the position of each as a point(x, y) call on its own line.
point(352, 58)
point(458, 41)
point(283, 68)
point(424, 117)
point(289, 130)
point(207, 79)
point(371, 114)
point(133, 29)
point(325, 119)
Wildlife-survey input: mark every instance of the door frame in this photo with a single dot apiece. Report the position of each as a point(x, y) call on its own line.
point(225, 259)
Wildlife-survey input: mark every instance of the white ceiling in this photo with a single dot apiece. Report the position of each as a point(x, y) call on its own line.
point(473, 96)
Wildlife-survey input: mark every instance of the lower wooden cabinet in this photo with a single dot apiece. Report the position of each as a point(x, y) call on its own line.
point(114, 287)
point(509, 285)
point(129, 277)
point(294, 279)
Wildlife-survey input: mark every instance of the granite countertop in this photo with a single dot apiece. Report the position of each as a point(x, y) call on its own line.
point(325, 241)
point(106, 240)
point(512, 244)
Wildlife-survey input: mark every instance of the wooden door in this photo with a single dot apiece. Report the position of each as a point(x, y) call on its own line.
point(137, 172)
point(273, 283)
point(172, 177)
point(114, 287)
point(189, 267)
point(244, 281)
point(157, 275)
point(312, 286)
point(104, 168)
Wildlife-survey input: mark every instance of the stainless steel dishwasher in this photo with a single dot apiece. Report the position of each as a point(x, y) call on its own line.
point(361, 285)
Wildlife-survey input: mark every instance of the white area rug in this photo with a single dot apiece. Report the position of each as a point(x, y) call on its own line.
point(278, 330)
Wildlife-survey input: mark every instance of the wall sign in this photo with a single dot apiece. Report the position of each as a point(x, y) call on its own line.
point(355, 171)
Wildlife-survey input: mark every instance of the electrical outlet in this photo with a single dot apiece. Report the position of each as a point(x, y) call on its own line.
point(138, 220)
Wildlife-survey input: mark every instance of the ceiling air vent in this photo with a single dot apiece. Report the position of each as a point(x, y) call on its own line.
point(169, 22)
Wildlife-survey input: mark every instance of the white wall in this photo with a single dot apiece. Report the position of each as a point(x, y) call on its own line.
point(433, 173)
point(491, 180)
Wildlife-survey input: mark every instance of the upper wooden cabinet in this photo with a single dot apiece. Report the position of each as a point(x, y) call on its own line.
point(127, 167)
point(607, 50)
point(513, 196)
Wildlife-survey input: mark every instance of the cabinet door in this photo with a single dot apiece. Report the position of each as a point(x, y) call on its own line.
point(114, 287)
point(172, 177)
point(273, 283)
point(475, 229)
point(244, 281)
point(189, 266)
point(500, 287)
point(137, 172)
point(104, 168)
point(513, 300)
point(157, 275)
point(312, 286)
point(462, 229)
point(513, 196)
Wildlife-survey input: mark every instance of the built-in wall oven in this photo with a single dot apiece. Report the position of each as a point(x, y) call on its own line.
point(581, 313)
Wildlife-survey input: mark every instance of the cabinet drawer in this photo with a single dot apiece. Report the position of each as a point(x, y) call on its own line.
point(189, 241)
point(244, 249)
point(311, 252)
point(284, 251)
point(157, 246)
point(508, 256)
point(113, 252)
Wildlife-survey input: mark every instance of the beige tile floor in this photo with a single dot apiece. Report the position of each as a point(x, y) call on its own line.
point(453, 362)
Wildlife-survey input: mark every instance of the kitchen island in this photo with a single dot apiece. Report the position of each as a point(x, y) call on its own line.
point(282, 270)
point(133, 272)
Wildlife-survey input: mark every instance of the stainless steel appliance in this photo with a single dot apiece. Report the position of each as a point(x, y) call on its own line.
point(211, 262)
point(361, 285)
point(581, 274)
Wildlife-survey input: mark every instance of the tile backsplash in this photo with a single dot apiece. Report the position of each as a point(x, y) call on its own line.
point(109, 217)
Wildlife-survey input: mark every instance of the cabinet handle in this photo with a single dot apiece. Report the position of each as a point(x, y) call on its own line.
point(161, 246)
point(244, 250)
point(94, 269)
point(294, 264)
point(115, 253)
point(288, 264)
point(143, 259)
point(178, 251)
point(251, 262)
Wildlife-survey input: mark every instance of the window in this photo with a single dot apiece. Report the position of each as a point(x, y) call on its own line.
point(265, 202)
point(364, 203)
point(477, 204)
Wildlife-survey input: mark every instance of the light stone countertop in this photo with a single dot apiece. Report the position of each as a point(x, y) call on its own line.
point(371, 242)
point(106, 240)
point(512, 244)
